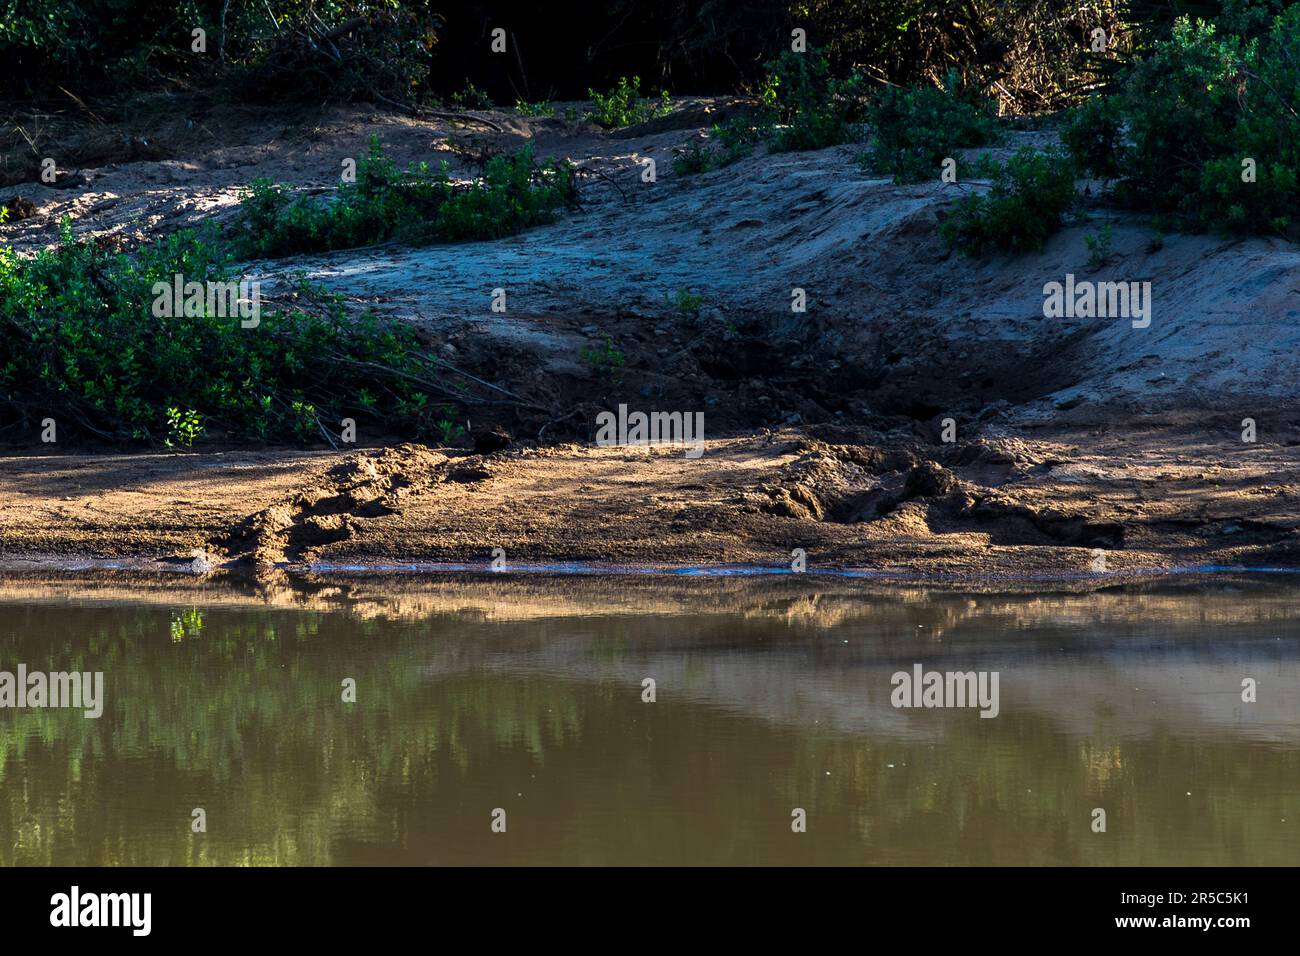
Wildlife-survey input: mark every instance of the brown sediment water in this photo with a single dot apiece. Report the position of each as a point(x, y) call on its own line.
point(526, 693)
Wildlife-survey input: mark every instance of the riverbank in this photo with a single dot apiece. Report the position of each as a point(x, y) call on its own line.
point(921, 418)
point(1087, 502)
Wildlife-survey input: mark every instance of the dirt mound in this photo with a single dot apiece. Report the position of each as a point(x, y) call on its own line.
point(363, 486)
point(18, 208)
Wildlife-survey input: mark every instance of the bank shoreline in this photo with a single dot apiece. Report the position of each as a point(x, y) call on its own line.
point(1091, 505)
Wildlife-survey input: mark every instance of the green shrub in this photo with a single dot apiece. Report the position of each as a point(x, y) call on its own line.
point(1026, 203)
point(686, 303)
point(730, 142)
point(267, 47)
point(625, 106)
point(471, 97)
point(1180, 106)
point(1228, 204)
point(417, 205)
point(1093, 134)
point(1249, 18)
point(84, 346)
point(813, 109)
point(737, 138)
point(916, 129)
point(1200, 106)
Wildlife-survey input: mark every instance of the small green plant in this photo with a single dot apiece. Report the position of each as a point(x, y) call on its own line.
point(1099, 246)
point(182, 427)
point(686, 303)
point(606, 361)
point(471, 98)
point(915, 129)
point(693, 160)
point(625, 106)
point(729, 142)
point(1027, 202)
point(447, 431)
point(524, 108)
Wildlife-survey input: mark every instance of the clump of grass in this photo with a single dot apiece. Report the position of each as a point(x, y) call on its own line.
point(417, 205)
point(625, 106)
point(1027, 202)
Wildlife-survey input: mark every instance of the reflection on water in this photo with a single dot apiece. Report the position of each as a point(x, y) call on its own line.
point(525, 694)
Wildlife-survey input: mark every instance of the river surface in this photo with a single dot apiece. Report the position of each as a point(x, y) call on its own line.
point(502, 719)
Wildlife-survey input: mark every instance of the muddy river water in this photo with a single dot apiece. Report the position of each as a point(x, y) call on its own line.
point(501, 719)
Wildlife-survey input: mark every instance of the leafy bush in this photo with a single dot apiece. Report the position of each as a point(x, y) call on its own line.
point(1229, 204)
point(1199, 112)
point(1093, 134)
point(916, 129)
point(416, 205)
point(83, 346)
point(1026, 203)
point(1179, 104)
point(470, 97)
point(625, 106)
point(813, 108)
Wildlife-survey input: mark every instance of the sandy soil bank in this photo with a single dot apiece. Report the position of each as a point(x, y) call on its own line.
point(1091, 503)
point(1085, 448)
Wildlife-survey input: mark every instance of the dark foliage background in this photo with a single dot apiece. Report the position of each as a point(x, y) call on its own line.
point(1033, 54)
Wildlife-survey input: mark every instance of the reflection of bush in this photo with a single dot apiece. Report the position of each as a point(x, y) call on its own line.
point(244, 718)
